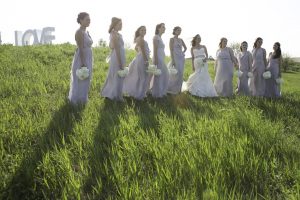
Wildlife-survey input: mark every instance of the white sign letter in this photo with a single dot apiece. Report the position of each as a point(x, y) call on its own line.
point(46, 37)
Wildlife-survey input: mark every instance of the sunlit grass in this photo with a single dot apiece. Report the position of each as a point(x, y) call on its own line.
point(178, 147)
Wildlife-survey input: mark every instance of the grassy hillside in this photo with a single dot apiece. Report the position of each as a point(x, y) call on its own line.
point(296, 59)
point(178, 147)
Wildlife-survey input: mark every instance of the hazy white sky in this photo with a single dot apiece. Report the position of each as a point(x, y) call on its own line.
point(238, 20)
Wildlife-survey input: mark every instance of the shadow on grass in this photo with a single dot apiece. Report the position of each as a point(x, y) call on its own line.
point(23, 184)
point(102, 183)
point(276, 108)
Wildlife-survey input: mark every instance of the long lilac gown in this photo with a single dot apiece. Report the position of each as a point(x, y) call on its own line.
point(257, 83)
point(224, 73)
point(159, 84)
point(273, 88)
point(113, 86)
point(79, 88)
point(244, 60)
point(175, 81)
point(136, 83)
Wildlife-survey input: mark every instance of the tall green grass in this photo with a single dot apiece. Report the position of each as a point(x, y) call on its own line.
point(178, 147)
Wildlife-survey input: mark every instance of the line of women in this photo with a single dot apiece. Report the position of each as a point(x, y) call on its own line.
point(139, 80)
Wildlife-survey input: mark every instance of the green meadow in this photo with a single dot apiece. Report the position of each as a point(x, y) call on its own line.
point(178, 147)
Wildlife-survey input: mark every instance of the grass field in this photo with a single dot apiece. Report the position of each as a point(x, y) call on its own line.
point(178, 147)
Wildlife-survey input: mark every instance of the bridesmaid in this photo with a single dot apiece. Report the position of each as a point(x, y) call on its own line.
point(245, 63)
point(274, 66)
point(224, 65)
point(83, 58)
point(159, 83)
point(113, 85)
point(257, 83)
point(136, 83)
point(177, 56)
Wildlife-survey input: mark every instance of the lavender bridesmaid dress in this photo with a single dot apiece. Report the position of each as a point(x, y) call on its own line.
point(79, 88)
point(113, 85)
point(224, 73)
point(257, 83)
point(175, 81)
point(136, 83)
point(159, 84)
point(244, 60)
point(272, 88)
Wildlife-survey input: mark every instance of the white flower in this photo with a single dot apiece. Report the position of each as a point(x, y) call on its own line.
point(152, 69)
point(267, 75)
point(172, 70)
point(250, 74)
point(157, 72)
point(123, 72)
point(279, 80)
point(200, 62)
point(239, 73)
point(83, 73)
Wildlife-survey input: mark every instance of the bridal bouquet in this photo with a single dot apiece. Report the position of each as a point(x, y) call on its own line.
point(152, 69)
point(250, 74)
point(172, 69)
point(239, 73)
point(123, 72)
point(267, 75)
point(279, 80)
point(200, 62)
point(83, 73)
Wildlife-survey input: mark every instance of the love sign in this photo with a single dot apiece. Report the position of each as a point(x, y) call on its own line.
point(36, 36)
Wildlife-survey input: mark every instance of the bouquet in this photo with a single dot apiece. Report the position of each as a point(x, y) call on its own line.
point(267, 75)
point(152, 69)
point(123, 72)
point(239, 73)
point(279, 80)
point(200, 62)
point(250, 74)
point(83, 73)
point(172, 69)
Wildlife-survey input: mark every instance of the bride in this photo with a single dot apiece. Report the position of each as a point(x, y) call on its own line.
point(199, 82)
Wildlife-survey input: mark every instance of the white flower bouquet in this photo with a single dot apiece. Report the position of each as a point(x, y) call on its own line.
point(172, 69)
point(83, 73)
point(200, 62)
point(250, 74)
point(152, 69)
point(123, 72)
point(239, 73)
point(267, 75)
point(279, 80)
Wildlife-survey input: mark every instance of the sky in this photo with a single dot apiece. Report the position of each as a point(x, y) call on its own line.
point(237, 20)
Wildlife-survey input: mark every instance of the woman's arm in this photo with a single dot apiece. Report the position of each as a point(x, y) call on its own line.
point(233, 58)
point(171, 46)
point(216, 61)
point(115, 40)
point(250, 60)
point(79, 41)
point(268, 60)
point(205, 51)
point(184, 46)
point(280, 65)
point(155, 46)
point(265, 57)
point(192, 53)
point(141, 44)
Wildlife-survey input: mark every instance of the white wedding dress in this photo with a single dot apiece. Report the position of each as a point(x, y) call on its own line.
point(200, 83)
